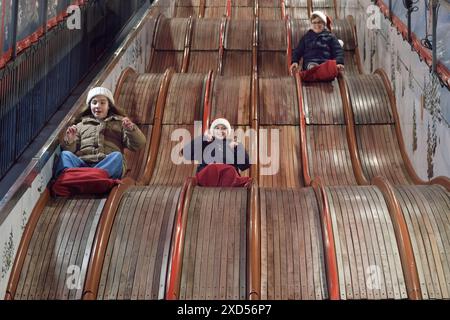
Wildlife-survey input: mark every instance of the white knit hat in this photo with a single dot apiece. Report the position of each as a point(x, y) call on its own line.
point(321, 15)
point(223, 122)
point(100, 91)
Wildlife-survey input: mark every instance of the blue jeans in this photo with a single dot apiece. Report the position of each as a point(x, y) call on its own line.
point(112, 163)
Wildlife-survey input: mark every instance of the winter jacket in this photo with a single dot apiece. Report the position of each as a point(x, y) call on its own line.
point(98, 138)
point(216, 151)
point(318, 48)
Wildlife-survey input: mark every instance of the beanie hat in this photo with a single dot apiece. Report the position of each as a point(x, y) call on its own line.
point(326, 19)
point(100, 91)
point(223, 122)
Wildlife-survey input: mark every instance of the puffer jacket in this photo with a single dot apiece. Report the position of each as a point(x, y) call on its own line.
point(318, 48)
point(216, 151)
point(98, 138)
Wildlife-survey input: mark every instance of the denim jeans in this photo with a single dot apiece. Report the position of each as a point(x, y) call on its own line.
point(112, 163)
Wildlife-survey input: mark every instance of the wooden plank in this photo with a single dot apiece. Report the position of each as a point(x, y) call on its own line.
point(339, 244)
point(171, 34)
point(244, 217)
point(237, 63)
point(231, 99)
point(239, 34)
point(358, 242)
point(272, 64)
point(78, 248)
point(205, 34)
point(187, 274)
point(132, 249)
point(162, 60)
point(203, 61)
point(390, 247)
point(416, 242)
point(50, 272)
point(57, 286)
point(182, 108)
point(278, 101)
point(212, 234)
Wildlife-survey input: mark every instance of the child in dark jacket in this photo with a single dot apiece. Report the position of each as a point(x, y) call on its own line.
point(221, 158)
point(318, 46)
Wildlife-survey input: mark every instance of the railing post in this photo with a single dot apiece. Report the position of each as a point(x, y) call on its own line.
point(435, 8)
point(15, 14)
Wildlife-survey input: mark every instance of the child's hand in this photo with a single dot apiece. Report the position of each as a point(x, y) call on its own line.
point(234, 144)
point(208, 136)
point(127, 124)
point(71, 134)
point(341, 67)
point(293, 67)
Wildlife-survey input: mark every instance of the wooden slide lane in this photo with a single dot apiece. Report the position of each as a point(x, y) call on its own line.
point(58, 251)
point(426, 210)
point(292, 257)
point(137, 254)
point(214, 261)
point(368, 257)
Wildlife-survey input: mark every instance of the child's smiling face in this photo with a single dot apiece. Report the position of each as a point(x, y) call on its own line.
point(317, 25)
point(99, 107)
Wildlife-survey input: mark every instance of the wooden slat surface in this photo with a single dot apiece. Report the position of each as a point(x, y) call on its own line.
point(322, 103)
point(369, 99)
point(272, 35)
point(289, 172)
point(166, 172)
point(328, 155)
point(298, 13)
point(268, 3)
point(297, 3)
point(316, 4)
point(63, 238)
point(171, 34)
point(351, 65)
point(272, 63)
point(278, 101)
point(231, 99)
point(326, 6)
point(239, 35)
point(215, 254)
point(138, 248)
point(299, 28)
point(270, 13)
point(205, 34)
point(343, 30)
point(427, 214)
point(184, 103)
point(379, 153)
point(215, 12)
point(162, 60)
point(136, 160)
point(368, 259)
point(328, 11)
point(203, 61)
point(138, 97)
point(237, 63)
point(292, 258)
point(186, 12)
point(242, 13)
point(215, 3)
